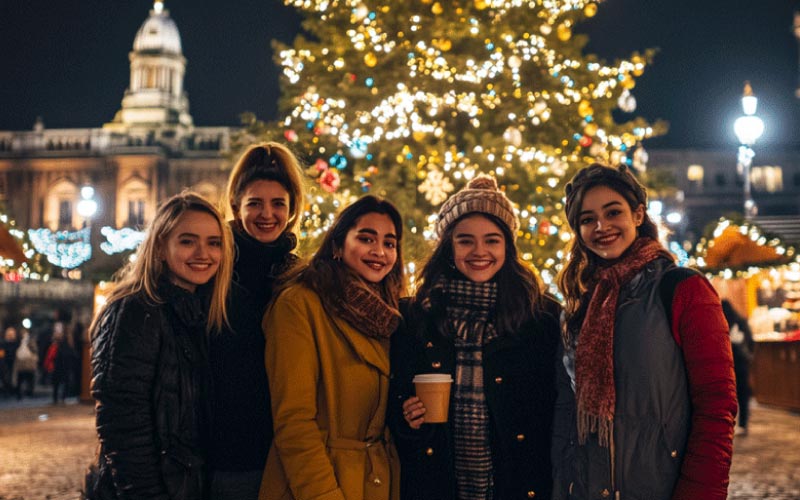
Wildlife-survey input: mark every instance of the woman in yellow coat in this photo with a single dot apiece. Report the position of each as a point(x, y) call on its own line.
point(327, 340)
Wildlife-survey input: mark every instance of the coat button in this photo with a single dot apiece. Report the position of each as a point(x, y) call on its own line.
point(605, 493)
point(436, 364)
point(429, 451)
point(520, 437)
point(674, 454)
point(377, 481)
point(498, 380)
point(531, 494)
point(429, 345)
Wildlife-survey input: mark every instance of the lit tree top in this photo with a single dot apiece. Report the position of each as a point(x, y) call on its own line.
point(411, 99)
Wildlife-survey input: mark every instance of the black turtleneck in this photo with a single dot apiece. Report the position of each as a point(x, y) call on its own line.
point(241, 405)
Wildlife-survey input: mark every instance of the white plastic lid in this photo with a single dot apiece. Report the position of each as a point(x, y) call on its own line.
point(432, 378)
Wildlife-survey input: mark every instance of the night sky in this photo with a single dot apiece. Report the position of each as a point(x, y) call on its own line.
point(67, 61)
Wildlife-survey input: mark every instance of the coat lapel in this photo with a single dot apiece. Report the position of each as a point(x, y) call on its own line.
point(369, 350)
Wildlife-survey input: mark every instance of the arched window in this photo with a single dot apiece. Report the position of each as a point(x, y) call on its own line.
point(133, 209)
point(60, 206)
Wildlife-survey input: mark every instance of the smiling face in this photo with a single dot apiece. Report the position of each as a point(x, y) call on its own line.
point(479, 248)
point(370, 247)
point(607, 224)
point(264, 210)
point(193, 249)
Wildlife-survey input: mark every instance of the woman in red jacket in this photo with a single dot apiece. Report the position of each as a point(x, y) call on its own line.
point(648, 397)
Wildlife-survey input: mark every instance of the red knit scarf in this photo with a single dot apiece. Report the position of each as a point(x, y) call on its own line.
point(594, 355)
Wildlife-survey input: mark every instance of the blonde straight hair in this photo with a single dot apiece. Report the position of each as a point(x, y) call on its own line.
point(143, 273)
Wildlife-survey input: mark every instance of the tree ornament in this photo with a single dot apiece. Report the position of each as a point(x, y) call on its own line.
point(590, 10)
point(435, 187)
point(585, 141)
point(513, 136)
point(370, 59)
point(545, 29)
point(514, 62)
point(564, 32)
point(443, 44)
point(626, 102)
point(585, 108)
point(481, 4)
point(640, 159)
point(628, 82)
point(590, 129)
point(437, 8)
point(329, 180)
point(290, 135)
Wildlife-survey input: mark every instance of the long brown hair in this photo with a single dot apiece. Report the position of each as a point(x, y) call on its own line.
point(143, 273)
point(268, 161)
point(519, 290)
point(581, 262)
point(325, 275)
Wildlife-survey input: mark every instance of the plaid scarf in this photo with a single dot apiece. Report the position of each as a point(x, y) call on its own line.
point(469, 308)
point(594, 355)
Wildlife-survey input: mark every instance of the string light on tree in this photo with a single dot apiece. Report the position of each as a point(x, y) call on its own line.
point(428, 94)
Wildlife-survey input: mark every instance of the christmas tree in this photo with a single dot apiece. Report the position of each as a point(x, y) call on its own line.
point(410, 100)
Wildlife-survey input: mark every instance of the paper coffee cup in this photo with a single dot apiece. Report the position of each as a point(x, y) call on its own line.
point(433, 389)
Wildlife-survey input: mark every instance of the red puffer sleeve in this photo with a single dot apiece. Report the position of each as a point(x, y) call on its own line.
point(700, 329)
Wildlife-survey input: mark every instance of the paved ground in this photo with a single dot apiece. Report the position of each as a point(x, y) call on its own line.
point(44, 450)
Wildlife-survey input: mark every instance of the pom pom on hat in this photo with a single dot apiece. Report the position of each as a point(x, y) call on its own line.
point(481, 195)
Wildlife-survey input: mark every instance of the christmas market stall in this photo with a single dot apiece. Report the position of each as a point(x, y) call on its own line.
point(760, 275)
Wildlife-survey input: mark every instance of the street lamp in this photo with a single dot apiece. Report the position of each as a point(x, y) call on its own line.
point(748, 129)
point(87, 206)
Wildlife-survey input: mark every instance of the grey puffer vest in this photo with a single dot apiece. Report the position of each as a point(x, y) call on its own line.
point(652, 413)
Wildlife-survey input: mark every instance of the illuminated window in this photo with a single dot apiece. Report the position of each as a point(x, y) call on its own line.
point(767, 178)
point(695, 174)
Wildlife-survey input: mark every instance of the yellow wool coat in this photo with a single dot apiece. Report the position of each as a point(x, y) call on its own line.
point(329, 386)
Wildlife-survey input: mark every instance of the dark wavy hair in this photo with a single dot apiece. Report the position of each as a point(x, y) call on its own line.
point(582, 263)
point(519, 290)
point(325, 275)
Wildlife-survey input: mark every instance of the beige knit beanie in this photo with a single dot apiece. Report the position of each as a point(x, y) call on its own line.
point(480, 196)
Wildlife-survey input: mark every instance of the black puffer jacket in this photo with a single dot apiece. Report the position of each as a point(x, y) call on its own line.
point(149, 377)
point(242, 419)
point(519, 372)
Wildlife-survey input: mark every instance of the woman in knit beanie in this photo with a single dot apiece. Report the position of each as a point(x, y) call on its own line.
point(649, 400)
point(479, 315)
point(265, 198)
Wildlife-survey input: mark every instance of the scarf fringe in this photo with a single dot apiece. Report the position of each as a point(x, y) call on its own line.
point(588, 424)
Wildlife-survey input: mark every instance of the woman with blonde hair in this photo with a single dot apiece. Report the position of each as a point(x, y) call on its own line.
point(265, 197)
point(150, 373)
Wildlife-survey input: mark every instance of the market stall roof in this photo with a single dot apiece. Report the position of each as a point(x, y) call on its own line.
point(9, 247)
point(743, 245)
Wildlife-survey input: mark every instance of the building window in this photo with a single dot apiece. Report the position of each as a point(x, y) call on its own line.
point(65, 214)
point(135, 213)
point(695, 174)
point(767, 179)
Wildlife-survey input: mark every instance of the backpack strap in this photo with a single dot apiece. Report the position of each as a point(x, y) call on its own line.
point(669, 282)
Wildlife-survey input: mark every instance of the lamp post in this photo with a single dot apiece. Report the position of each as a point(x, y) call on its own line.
point(748, 129)
point(87, 206)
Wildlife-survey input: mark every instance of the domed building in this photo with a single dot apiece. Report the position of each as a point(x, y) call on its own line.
point(150, 150)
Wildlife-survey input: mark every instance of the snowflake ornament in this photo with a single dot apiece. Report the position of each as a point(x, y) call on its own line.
point(436, 187)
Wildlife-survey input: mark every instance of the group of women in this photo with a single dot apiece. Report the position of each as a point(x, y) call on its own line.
point(224, 368)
